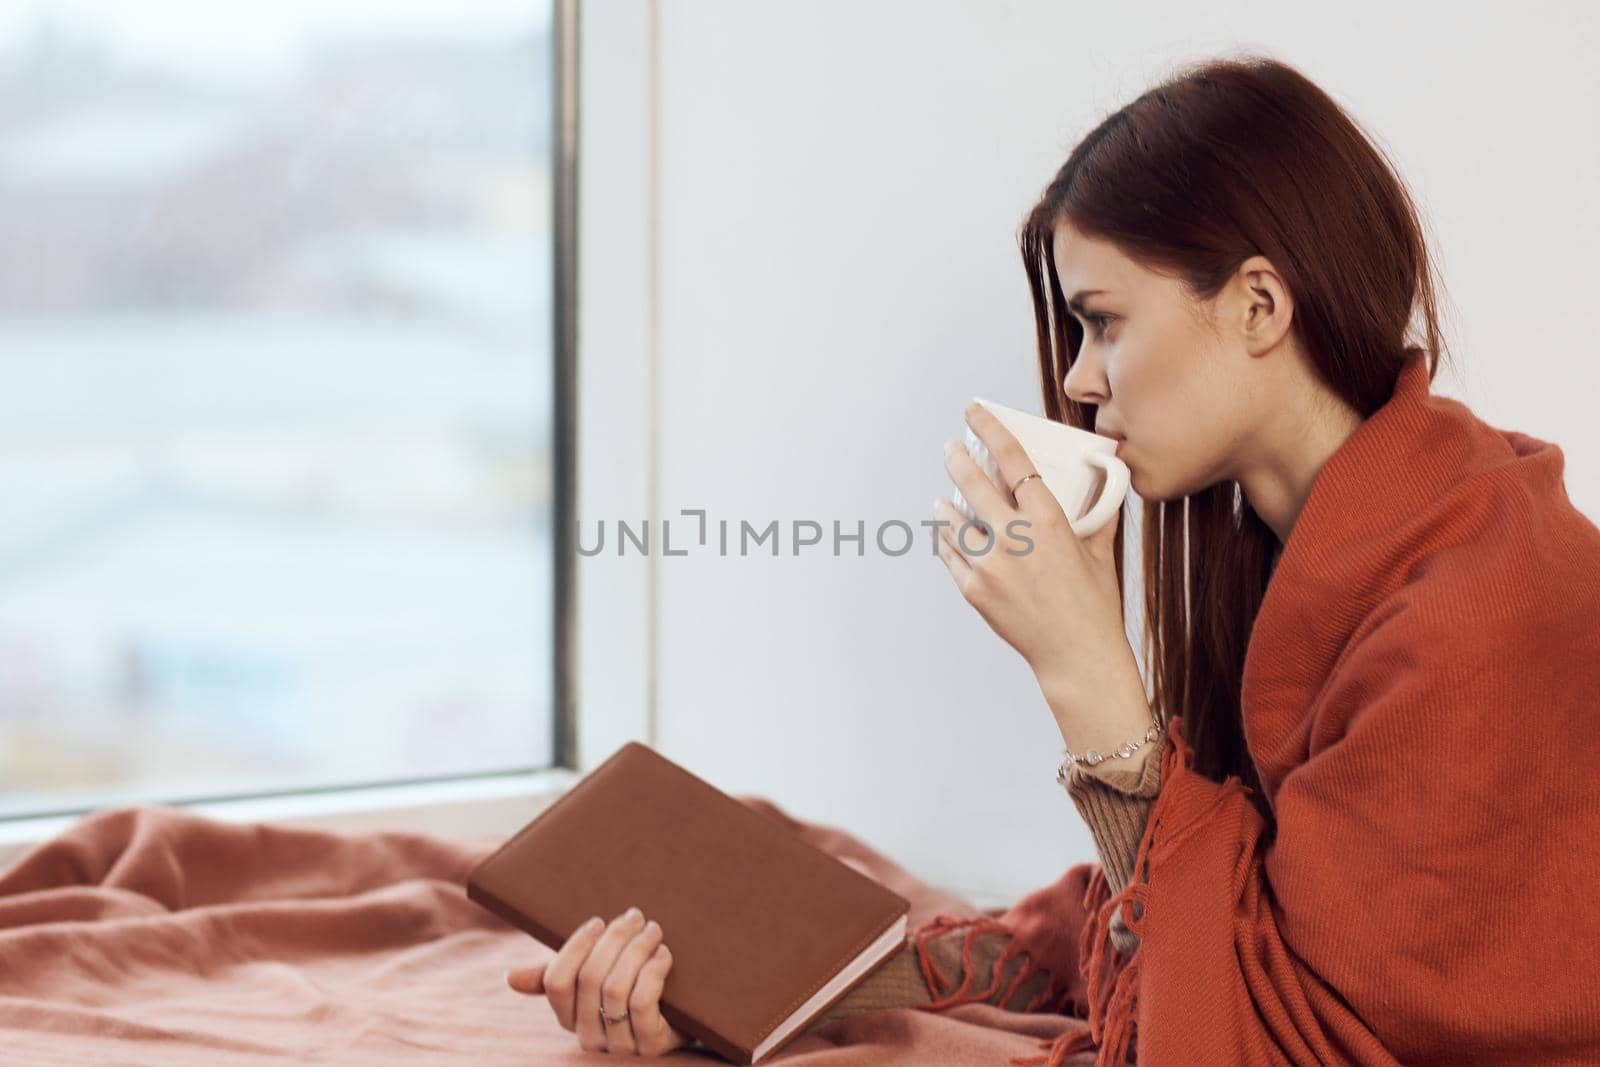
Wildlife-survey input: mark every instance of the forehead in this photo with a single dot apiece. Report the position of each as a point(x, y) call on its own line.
point(1084, 262)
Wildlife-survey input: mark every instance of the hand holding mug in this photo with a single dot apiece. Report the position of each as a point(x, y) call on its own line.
point(1049, 593)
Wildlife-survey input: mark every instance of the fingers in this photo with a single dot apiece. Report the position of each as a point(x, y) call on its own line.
point(618, 967)
point(526, 979)
point(594, 1035)
point(617, 991)
point(958, 565)
point(986, 501)
point(653, 1033)
point(1007, 451)
point(561, 973)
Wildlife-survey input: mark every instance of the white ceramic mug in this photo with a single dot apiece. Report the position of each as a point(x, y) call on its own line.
point(1069, 462)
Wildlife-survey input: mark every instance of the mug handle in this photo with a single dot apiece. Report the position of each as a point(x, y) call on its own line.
point(1116, 488)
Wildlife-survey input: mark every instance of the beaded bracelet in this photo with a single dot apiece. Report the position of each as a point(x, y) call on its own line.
point(1092, 758)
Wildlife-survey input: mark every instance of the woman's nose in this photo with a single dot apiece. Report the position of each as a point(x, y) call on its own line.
point(1078, 382)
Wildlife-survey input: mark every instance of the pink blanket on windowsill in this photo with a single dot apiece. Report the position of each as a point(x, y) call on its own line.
point(151, 935)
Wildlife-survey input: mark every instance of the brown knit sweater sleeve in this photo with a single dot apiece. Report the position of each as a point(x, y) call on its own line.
point(1116, 805)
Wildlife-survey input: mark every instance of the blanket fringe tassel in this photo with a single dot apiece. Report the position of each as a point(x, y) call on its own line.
point(1112, 975)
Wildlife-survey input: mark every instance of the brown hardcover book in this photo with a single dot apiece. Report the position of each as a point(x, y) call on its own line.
point(766, 930)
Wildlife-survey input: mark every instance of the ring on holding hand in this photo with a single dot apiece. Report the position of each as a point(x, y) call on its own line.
point(613, 1018)
point(1022, 479)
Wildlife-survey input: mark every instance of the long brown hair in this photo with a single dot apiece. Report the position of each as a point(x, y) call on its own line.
point(1228, 158)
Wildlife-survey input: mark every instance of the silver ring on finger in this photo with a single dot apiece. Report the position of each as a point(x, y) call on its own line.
point(612, 1019)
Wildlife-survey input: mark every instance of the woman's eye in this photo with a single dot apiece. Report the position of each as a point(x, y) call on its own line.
point(1100, 323)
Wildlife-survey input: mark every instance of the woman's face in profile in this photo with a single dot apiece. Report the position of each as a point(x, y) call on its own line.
point(1160, 375)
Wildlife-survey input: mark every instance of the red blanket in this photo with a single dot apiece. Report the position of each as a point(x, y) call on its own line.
point(1421, 696)
point(152, 936)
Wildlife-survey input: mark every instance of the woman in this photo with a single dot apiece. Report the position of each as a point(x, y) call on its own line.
point(1372, 628)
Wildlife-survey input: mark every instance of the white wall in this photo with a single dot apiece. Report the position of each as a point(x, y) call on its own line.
point(832, 214)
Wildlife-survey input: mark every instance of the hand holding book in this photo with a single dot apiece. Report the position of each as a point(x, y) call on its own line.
point(737, 887)
point(615, 970)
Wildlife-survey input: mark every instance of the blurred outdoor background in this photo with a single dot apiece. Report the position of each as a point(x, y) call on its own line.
point(274, 395)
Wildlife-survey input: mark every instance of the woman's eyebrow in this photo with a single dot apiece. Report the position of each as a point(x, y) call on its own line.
point(1075, 302)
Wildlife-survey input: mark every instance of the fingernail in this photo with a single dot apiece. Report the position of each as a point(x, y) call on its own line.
point(594, 924)
point(631, 913)
point(651, 927)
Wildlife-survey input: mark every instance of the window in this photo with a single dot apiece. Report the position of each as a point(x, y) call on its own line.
point(276, 434)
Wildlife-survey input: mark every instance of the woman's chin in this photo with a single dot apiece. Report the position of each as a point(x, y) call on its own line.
point(1135, 483)
point(1152, 492)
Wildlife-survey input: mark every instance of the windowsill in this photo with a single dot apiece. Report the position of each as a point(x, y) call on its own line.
point(491, 806)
